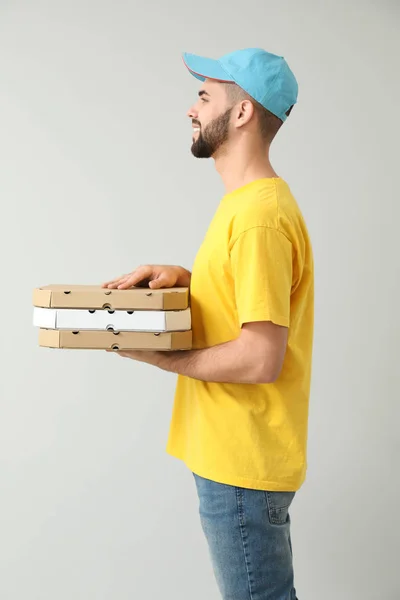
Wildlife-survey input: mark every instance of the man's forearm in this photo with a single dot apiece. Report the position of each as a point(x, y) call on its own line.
point(224, 363)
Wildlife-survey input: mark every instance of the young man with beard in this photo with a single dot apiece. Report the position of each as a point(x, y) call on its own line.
point(241, 406)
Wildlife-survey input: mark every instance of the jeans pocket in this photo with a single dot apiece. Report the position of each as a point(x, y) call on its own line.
point(278, 504)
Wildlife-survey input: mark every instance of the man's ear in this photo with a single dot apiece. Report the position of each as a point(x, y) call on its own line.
point(244, 112)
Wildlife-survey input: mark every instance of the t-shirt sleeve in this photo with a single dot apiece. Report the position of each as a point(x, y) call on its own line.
point(261, 263)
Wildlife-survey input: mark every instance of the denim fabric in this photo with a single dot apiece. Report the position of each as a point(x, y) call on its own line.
point(248, 535)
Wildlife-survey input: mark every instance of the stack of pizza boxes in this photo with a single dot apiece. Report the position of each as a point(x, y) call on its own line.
point(95, 318)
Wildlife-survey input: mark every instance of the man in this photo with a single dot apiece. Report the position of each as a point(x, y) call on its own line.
point(241, 406)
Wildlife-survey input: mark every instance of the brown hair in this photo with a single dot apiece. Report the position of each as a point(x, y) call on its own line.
point(269, 123)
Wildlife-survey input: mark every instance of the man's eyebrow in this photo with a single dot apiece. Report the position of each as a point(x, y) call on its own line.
point(203, 93)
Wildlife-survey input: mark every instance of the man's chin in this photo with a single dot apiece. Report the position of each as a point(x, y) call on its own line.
point(199, 152)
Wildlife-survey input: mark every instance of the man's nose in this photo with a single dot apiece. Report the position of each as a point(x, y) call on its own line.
point(192, 113)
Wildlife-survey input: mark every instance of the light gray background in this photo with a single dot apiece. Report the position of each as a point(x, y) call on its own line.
point(96, 177)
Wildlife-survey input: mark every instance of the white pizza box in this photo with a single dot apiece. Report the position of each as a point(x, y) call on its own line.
point(117, 320)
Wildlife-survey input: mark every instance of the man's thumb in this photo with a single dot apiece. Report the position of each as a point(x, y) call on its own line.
point(157, 283)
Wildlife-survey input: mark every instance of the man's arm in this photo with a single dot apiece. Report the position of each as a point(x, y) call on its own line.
point(256, 356)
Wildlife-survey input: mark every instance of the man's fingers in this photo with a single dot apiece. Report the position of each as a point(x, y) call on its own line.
point(154, 277)
point(113, 286)
point(129, 279)
point(135, 277)
point(128, 282)
point(114, 281)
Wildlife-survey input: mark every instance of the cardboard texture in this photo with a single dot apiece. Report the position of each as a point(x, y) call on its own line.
point(124, 340)
point(119, 320)
point(96, 297)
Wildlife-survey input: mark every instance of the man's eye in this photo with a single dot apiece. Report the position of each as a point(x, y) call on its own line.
point(203, 99)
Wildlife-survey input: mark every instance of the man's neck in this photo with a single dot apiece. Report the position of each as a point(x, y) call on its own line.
point(241, 166)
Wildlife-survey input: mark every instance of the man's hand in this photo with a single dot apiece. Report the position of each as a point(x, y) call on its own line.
point(155, 276)
point(139, 355)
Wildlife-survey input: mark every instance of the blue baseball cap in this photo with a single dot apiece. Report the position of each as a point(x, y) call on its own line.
point(264, 76)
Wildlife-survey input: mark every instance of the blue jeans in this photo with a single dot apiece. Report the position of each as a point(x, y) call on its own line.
point(248, 535)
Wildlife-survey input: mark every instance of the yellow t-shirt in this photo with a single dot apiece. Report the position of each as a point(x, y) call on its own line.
point(255, 264)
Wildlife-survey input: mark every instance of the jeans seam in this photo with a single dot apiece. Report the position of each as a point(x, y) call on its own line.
point(243, 535)
point(274, 511)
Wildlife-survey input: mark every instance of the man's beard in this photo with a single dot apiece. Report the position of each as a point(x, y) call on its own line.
point(215, 134)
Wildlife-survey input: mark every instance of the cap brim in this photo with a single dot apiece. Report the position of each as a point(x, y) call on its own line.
point(205, 68)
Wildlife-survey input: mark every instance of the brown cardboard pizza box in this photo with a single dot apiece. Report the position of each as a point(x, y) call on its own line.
point(121, 340)
point(97, 297)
